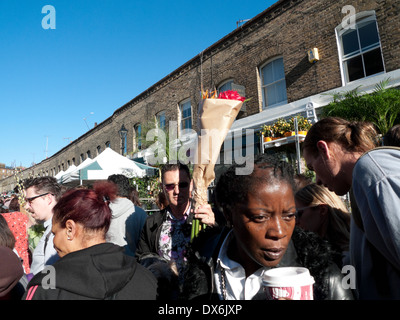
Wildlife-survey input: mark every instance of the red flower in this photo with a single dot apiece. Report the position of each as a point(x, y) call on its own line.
point(231, 95)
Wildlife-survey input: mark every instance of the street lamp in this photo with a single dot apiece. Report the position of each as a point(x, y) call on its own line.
point(123, 133)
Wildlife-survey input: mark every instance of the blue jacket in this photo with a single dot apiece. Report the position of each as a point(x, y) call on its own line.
point(375, 235)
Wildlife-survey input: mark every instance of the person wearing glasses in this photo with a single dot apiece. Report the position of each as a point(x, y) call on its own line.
point(41, 195)
point(90, 268)
point(166, 233)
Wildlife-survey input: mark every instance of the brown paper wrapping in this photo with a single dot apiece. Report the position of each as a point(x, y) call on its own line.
point(216, 117)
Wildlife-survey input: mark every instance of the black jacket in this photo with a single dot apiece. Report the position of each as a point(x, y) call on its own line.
point(149, 238)
point(305, 249)
point(100, 272)
point(148, 242)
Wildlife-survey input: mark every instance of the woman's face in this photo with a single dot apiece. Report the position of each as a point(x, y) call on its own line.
point(69, 239)
point(61, 242)
point(264, 227)
point(311, 217)
point(327, 166)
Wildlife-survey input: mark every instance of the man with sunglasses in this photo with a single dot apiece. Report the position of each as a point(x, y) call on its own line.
point(41, 195)
point(166, 233)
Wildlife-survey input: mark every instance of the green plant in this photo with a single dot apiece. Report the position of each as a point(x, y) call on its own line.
point(303, 124)
point(381, 107)
point(280, 127)
point(35, 232)
point(147, 187)
point(267, 131)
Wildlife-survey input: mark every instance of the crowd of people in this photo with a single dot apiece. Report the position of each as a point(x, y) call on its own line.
point(99, 244)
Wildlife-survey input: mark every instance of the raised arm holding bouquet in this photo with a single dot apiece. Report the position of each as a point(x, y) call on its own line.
point(216, 116)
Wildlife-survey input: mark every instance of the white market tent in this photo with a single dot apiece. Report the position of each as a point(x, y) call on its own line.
point(61, 174)
point(105, 164)
point(73, 175)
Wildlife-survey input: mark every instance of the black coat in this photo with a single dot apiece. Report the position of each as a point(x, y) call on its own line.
point(148, 243)
point(305, 249)
point(100, 272)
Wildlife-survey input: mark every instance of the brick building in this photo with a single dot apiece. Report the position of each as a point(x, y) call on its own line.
point(5, 171)
point(266, 59)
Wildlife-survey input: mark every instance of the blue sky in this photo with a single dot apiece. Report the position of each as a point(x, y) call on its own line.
point(101, 55)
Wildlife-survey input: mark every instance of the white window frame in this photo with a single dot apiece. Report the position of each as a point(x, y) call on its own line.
point(180, 117)
point(263, 86)
point(359, 18)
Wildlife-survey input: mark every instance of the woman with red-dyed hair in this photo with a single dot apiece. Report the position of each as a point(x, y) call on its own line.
point(89, 267)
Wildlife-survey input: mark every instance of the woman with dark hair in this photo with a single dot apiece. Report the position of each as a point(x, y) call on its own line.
point(261, 212)
point(90, 268)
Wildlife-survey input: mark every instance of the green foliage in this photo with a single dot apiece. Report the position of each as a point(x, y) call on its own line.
point(34, 234)
point(381, 107)
point(147, 187)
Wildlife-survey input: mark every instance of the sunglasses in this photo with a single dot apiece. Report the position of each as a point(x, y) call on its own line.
point(33, 198)
point(171, 186)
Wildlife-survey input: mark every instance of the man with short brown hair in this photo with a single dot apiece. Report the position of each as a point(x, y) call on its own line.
point(41, 195)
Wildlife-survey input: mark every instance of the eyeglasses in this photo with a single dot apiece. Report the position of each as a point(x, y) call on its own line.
point(171, 186)
point(35, 197)
point(300, 211)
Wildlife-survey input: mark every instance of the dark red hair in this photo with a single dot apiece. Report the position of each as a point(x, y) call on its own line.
point(89, 207)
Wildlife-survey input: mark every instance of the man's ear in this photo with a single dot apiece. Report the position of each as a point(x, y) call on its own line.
point(323, 149)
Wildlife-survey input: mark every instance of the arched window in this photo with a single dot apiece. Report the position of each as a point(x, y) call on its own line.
point(273, 83)
point(225, 86)
point(161, 120)
point(185, 114)
point(137, 137)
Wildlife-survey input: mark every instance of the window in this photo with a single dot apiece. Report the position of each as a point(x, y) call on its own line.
point(273, 83)
point(185, 110)
point(98, 150)
point(89, 154)
point(138, 137)
point(82, 158)
point(360, 48)
point(225, 86)
point(161, 122)
point(108, 144)
point(230, 85)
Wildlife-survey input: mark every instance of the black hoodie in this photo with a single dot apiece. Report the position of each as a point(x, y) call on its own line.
point(100, 272)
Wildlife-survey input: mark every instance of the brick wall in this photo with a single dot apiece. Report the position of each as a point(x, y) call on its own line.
point(287, 29)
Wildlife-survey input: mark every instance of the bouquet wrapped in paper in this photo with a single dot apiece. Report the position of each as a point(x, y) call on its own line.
point(216, 116)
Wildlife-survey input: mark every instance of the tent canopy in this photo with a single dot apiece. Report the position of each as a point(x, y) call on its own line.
point(73, 175)
point(105, 164)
